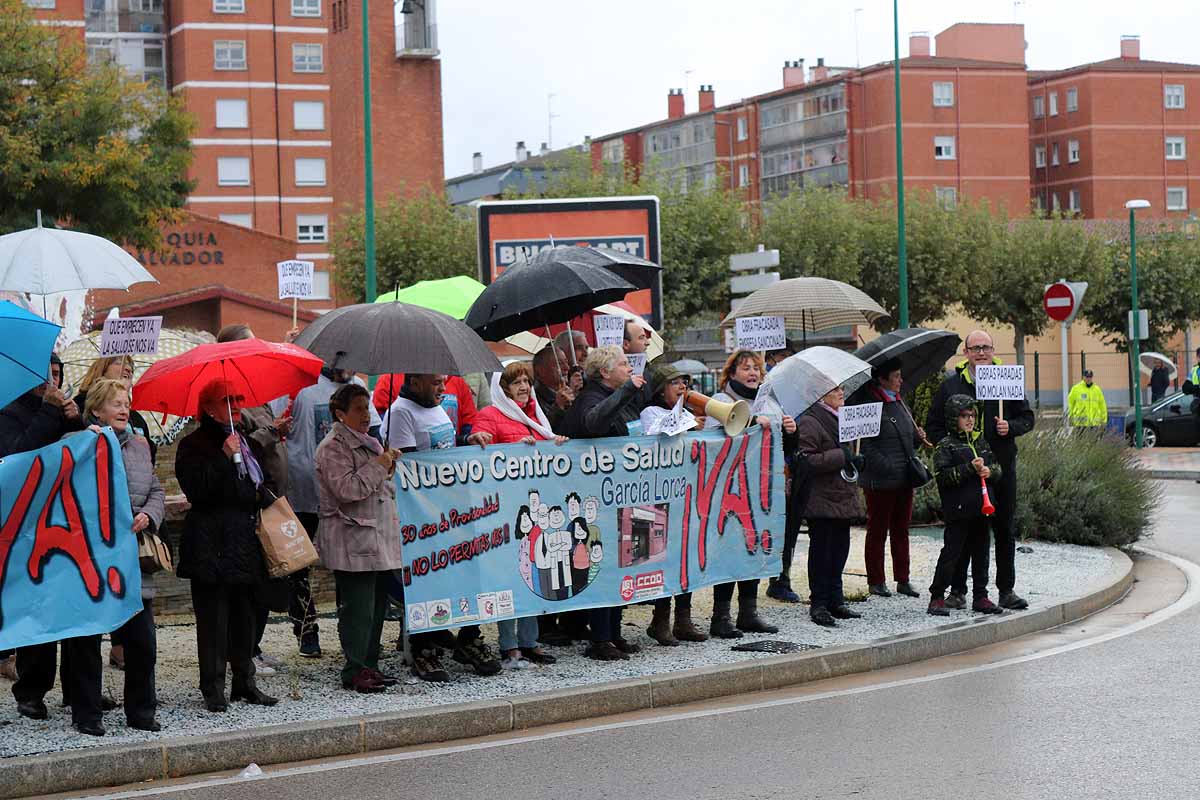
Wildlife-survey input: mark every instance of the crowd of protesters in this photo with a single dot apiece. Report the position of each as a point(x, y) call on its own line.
point(332, 450)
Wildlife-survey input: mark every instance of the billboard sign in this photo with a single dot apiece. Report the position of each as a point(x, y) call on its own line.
point(516, 230)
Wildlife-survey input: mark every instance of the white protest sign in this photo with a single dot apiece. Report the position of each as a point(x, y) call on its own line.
point(1000, 382)
point(610, 329)
point(761, 333)
point(674, 423)
point(295, 279)
point(130, 336)
point(637, 362)
point(859, 422)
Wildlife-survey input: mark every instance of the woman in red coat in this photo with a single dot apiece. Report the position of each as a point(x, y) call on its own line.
point(515, 416)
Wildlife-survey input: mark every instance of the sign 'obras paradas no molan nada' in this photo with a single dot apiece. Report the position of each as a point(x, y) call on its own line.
point(518, 530)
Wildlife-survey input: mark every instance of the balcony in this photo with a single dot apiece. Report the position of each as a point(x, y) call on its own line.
point(416, 29)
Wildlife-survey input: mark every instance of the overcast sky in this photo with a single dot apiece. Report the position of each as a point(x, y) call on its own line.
point(609, 63)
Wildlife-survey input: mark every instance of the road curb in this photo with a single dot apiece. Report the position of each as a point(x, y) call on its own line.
point(1174, 474)
point(75, 770)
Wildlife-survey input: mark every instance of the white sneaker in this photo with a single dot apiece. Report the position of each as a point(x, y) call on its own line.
point(261, 667)
point(515, 662)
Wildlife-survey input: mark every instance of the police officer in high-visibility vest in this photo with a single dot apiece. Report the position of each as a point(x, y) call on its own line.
point(1085, 404)
point(1192, 386)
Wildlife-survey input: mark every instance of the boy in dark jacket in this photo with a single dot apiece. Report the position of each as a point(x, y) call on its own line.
point(961, 459)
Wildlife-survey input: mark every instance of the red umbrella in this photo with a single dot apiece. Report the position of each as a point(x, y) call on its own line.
point(262, 371)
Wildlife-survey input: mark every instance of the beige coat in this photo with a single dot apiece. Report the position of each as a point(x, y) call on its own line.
point(359, 530)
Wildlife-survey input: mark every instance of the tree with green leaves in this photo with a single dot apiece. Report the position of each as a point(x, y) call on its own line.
point(818, 233)
point(1025, 255)
point(90, 146)
point(1168, 284)
point(416, 238)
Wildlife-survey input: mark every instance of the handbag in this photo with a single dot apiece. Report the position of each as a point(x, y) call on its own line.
point(153, 554)
point(285, 544)
point(918, 474)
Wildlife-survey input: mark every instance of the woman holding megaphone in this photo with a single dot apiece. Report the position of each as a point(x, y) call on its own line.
point(741, 378)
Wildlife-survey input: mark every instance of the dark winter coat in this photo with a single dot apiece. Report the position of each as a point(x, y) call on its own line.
point(886, 467)
point(220, 540)
point(27, 424)
point(1016, 412)
point(599, 411)
point(958, 483)
point(821, 461)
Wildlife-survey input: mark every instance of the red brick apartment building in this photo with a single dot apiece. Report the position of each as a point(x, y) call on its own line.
point(276, 89)
point(1116, 130)
point(976, 124)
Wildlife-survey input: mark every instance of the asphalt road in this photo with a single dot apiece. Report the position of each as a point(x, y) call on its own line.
point(1117, 718)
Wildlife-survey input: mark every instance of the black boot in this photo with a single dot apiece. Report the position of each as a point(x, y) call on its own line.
point(748, 619)
point(660, 626)
point(722, 626)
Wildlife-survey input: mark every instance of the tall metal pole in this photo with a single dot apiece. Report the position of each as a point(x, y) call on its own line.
point(368, 163)
point(902, 245)
point(1133, 338)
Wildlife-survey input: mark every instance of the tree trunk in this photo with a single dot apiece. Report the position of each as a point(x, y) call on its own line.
point(1019, 343)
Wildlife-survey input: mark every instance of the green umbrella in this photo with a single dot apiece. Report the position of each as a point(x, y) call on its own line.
point(451, 296)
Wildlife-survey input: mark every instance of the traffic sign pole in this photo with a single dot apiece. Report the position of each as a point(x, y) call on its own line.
point(1061, 303)
point(1065, 378)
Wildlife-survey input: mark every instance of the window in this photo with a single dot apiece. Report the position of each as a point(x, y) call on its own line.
point(1073, 203)
point(306, 8)
point(230, 54)
point(946, 196)
point(1173, 96)
point(245, 220)
point(310, 172)
point(233, 171)
point(312, 228)
point(232, 114)
point(1177, 199)
point(146, 6)
point(320, 285)
point(943, 93)
point(1054, 104)
point(744, 175)
point(308, 115)
point(742, 131)
point(1039, 107)
point(341, 15)
point(40, 3)
point(1054, 154)
point(229, 6)
point(1039, 156)
point(308, 58)
point(1072, 99)
point(1176, 148)
point(1054, 201)
point(943, 147)
point(1072, 151)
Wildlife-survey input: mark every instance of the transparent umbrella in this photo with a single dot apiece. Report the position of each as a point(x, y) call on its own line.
point(801, 380)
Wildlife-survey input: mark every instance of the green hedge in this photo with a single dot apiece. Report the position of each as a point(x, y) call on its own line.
point(1081, 488)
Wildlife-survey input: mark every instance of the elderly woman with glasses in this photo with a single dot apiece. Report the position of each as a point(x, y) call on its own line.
point(219, 470)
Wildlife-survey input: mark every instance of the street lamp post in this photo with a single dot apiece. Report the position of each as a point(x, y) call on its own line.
point(368, 164)
point(1135, 320)
point(902, 245)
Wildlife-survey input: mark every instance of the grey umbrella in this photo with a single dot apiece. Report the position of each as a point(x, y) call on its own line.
point(378, 338)
point(801, 380)
point(809, 304)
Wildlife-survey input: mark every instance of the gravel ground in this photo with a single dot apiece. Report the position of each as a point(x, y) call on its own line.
point(309, 689)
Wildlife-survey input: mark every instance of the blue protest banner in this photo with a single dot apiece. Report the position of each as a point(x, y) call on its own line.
point(518, 530)
point(68, 555)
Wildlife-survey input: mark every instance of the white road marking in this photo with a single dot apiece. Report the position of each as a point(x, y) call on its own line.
point(1187, 600)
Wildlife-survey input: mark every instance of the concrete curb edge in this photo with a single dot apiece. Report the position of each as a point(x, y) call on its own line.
point(75, 770)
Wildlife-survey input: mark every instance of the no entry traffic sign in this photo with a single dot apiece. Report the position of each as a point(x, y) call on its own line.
point(1061, 300)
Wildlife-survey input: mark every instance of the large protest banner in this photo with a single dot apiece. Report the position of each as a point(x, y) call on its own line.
point(520, 529)
point(68, 555)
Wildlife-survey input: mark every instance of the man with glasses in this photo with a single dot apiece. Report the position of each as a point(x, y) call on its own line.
point(1001, 435)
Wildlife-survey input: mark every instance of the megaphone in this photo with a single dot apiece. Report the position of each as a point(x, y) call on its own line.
point(734, 417)
point(988, 508)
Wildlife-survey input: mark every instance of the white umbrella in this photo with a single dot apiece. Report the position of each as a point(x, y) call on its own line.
point(49, 260)
point(801, 380)
point(1150, 360)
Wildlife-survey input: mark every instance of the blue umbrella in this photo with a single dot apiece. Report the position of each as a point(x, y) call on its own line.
point(26, 341)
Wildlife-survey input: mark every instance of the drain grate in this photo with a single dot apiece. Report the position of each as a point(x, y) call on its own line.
point(773, 646)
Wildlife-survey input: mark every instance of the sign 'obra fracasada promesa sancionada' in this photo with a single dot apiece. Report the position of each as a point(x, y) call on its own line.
point(518, 530)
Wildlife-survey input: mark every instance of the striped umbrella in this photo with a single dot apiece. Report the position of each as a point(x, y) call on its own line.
point(809, 304)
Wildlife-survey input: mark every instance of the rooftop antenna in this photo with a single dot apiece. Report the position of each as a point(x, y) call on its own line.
point(550, 115)
point(857, 59)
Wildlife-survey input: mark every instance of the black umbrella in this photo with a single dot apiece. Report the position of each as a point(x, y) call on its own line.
point(641, 273)
point(544, 291)
point(378, 338)
point(921, 351)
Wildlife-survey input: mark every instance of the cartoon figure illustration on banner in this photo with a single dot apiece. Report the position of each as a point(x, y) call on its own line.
point(560, 552)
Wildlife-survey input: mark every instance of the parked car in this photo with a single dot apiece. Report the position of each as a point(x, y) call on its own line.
point(1167, 423)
